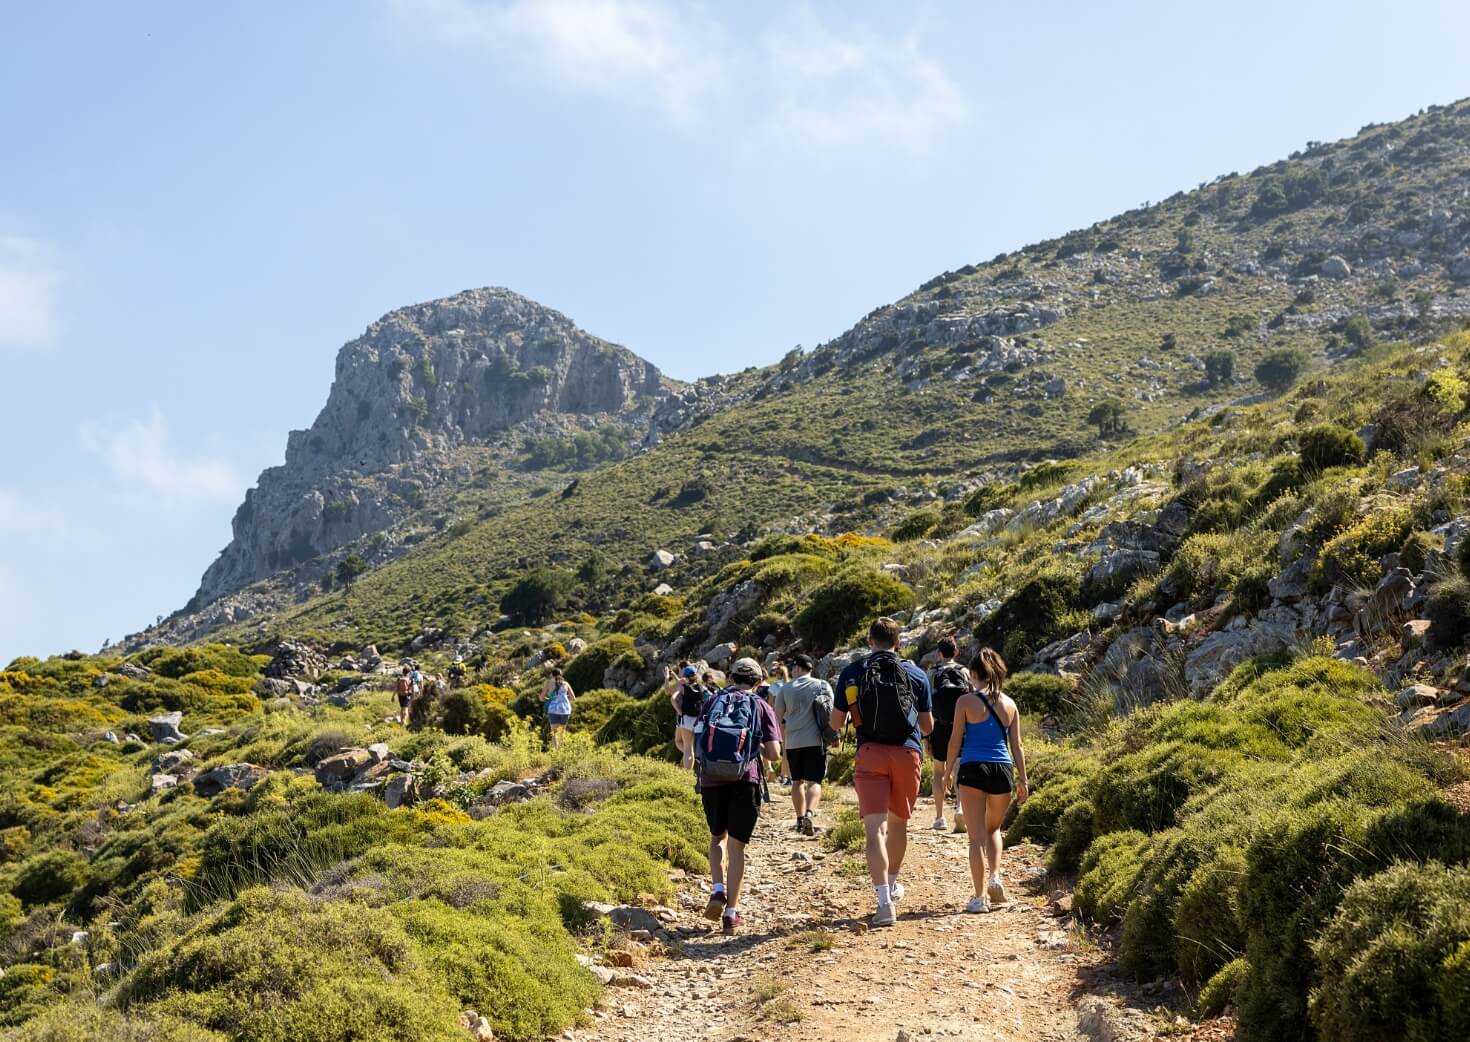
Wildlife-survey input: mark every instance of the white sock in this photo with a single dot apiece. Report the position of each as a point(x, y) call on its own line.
point(892, 880)
point(719, 888)
point(883, 898)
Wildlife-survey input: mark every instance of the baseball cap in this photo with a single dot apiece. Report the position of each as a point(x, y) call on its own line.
point(804, 661)
point(690, 671)
point(747, 668)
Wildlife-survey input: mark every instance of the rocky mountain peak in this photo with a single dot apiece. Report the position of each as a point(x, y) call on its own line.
point(423, 384)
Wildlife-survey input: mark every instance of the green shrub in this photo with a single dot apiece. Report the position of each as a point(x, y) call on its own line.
point(1417, 550)
point(1278, 370)
point(1462, 556)
point(538, 595)
point(850, 600)
point(1110, 873)
point(48, 876)
point(915, 526)
point(1207, 916)
point(1212, 563)
point(593, 709)
point(989, 497)
point(479, 709)
point(177, 662)
point(1074, 834)
point(1448, 610)
point(1221, 992)
point(1043, 609)
point(1394, 961)
point(1041, 694)
point(1329, 446)
point(585, 671)
point(1351, 558)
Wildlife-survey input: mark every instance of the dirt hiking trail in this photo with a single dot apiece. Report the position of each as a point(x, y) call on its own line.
point(806, 968)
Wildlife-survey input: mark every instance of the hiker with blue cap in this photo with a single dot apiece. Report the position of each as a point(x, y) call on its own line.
point(687, 695)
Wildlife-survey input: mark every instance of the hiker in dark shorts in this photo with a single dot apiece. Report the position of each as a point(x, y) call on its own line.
point(948, 681)
point(988, 763)
point(736, 729)
point(798, 701)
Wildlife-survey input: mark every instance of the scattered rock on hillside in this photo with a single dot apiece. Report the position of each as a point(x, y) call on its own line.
point(1335, 267)
point(341, 767)
point(232, 776)
point(402, 790)
point(628, 918)
point(165, 727)
point(172, 762)
point(133, 671)
point(661, 559)
point(296, 660)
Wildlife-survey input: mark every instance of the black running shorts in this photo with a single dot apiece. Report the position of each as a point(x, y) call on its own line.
point(939, 740)
point(732, 809)
point(808, 764)
point(997, 779)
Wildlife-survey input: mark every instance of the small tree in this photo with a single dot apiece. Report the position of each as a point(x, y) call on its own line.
point(1107, 416)
point(349, 568)
point(1329, 445)
point(1219, 367)
point(1280, 369)
point(1358, 332)
point(538, 595)
point(1168, 342)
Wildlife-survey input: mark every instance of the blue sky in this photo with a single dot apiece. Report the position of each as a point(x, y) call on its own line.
point(199, 203)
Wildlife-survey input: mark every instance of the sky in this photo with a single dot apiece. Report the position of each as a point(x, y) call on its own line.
point(199, 203)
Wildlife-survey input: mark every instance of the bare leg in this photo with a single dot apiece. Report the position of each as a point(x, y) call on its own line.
point(995, 816)
point(898, 844)
point(941, 788)
point(813, 796)
point(798, 797)
point(736, 875)
point(875, 827)
point(717, 859)
point(684, 739)
point(972, 803)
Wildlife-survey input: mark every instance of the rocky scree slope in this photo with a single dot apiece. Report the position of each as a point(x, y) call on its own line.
point(998, 363)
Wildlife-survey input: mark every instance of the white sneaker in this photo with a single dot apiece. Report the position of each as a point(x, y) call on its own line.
point(997, 891)
point(895, 891)
point(977, 906)
point(939, 825)
point(885, 915)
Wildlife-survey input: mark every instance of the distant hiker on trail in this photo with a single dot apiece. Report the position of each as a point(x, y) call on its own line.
point(804, 710)
point(949, 682)
point(736, 729)
point(767, 693)
point(416, 677)
point(987, 760)
point(558, 697)
point(457, 671)
point(887, 698)
point(687, 695)
point(403, 688)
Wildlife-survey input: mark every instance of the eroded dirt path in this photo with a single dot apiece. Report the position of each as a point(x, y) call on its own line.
point(806, 969)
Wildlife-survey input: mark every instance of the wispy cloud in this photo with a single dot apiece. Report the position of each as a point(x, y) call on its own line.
point(37, 518)
point(29, 278)
point(632, 48)
point(138, 452)
point(835, 92)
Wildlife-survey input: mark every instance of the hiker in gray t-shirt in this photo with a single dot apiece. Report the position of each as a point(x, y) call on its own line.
point(798, 702)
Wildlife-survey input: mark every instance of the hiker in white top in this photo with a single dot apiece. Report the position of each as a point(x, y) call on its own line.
point(558, 697)
point(803, 707)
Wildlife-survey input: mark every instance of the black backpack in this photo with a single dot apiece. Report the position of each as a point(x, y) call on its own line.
point(886, 700)
point(822, 711)
point(949, 684)
point(691, 699)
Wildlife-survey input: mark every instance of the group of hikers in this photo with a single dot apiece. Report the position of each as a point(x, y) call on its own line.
point(733, 736)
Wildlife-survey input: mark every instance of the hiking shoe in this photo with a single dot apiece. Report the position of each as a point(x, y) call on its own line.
point(884, 916)
point(997, 891)
point(978, 906)
point(715, 906)
point(730, 922)
point(895, 891)
point(939, 824)
point(808, 826)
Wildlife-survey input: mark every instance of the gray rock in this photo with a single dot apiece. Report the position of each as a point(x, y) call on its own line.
point(627, 918)
point(380, 752)
point(134, 672)
point(402, 790)
point(172, 762)
point(662, 590)
point(1335, 267)
point(1119, 569)
point(165, 727)
point(1459, 268)
point(160, 782)
point(660, 560)
point(232, 776)
point(733, 605)
point(1291, 584)
point(1416, 695)
point(344, 765)
point(1222, 651)
point(721, 655)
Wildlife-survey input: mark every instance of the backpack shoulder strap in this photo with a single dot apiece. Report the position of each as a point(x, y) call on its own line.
point(993, 714)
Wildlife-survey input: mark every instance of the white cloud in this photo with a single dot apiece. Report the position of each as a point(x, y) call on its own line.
point(35, 517)
point(138, 452)
point(29, 278)
point(834, 92)
point(639, 48)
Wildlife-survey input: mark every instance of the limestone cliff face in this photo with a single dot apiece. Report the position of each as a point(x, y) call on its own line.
point(422, 384)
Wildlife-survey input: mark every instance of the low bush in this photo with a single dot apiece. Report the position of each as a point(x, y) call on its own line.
point(1418, 549)
point(915, 526)
point(1043, 609)
point(1219, 993)
point(1041, 694)
point(1394, 961)
point(479, 709)
point(1351, 558)
point(1328, 445)
point(1448, 610)
point(838, 608)
point(593, 709)
point(585, 671)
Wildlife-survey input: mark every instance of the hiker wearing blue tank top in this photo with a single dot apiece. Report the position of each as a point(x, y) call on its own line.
point(988, 764)
point(558, 696)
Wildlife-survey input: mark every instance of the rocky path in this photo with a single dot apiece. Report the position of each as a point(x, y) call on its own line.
point(807, 968)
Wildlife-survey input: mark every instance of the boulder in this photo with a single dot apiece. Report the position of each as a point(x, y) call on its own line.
point(1416, 695)
point(134, 671)
point(380, 752)
point(296, 660)
point(728, 606)
point(1459, 268)
point(721, 655)
point(660, 560)
point(1335, 267)
point(703, 548)
point(1117, 570)
point(160, 782)
point(1291, 584)
point(232, 776)
point(172, 762)
point(1223, 650)
point(165, 727)
point(627, 918)
point(662, 590)
point(402, 790)
point(341, 766)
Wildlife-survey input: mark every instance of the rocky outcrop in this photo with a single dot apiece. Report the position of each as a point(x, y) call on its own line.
point(421, 384)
